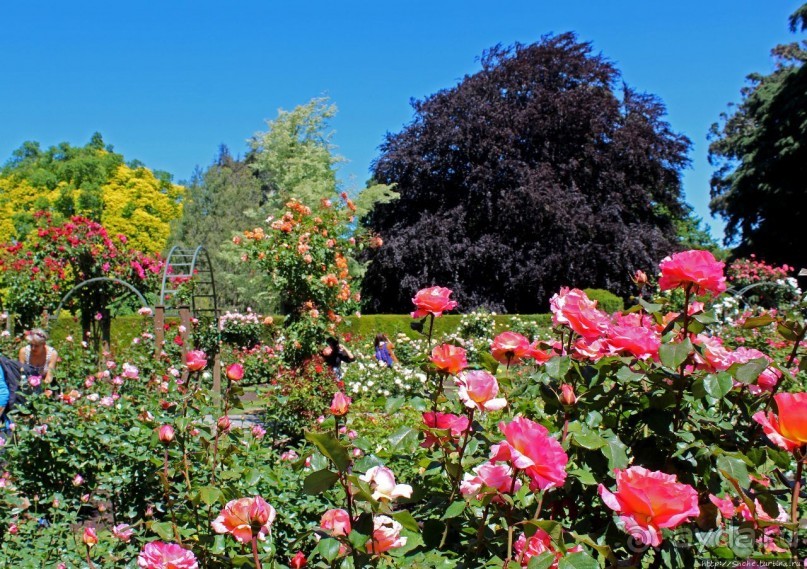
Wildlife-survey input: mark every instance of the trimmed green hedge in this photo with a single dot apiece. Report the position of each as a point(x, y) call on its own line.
point(125, 328)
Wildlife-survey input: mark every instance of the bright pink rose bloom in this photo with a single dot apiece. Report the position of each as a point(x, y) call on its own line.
point(382, 483)
point(159, 555)
point(340, 404)
point(336, 522)
point(449, 358)
point(648, 501)
point(224, 423)
point(487, 477)
point(235, 372)
point(788, 428)
point(432, 300)
point(455, 426)
point(697, 268)
point(477, 389)
point(540, 356)
point(196, 360)
point(386, 535)
point(239, 516)
point(577, 311)
point(510, 348)
point(539, 543)
point(90, 538)
point(529, 447)
point(641, 342)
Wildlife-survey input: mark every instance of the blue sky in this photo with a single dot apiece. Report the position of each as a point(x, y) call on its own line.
point(168, 82)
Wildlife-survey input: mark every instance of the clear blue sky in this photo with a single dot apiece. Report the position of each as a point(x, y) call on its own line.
point(167, 82)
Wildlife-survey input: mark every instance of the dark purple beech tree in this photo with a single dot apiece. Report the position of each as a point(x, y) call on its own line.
point(541, 170)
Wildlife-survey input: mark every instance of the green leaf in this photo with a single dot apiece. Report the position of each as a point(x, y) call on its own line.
point(329, 549)
point(454, 510)
point(331, 448)
point(652, 308)
point(210, 495)
point(488, 362)
point(748, 372)
point(404, 439)
point(392, 404)
point(584, 476)
point(558, 366)
point(554, 529)
point(542, 561)
point(319, 481)
point(718, 385)
point(758, 321)
point(588, 439)
point(406, 520)
point(578, 561)
point(787, 333)
point(673, 355)
point(164, 529)
point(733, 469)
point(616, 453)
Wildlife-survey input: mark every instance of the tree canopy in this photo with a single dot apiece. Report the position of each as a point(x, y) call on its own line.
point(92, 181)
point(540, 170)
point(760, 152)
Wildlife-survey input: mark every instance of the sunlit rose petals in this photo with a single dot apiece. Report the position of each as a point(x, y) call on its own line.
point(382, 483)
point(647, 501)
point(574, 309)
point(642, 343)
point(698, 269)
point(240, 516)
point(449, 359)
point(454, 425)
point(510, 348)
point(159, 555)
point(386, 535)
point(489, 478)
point(434, 300)
point(478, 389)
point(529, 447)
point(196, 360)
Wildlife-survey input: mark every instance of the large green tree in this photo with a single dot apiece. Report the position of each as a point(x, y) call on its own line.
point(293, 158)
point(543, 169)
point(760, 152)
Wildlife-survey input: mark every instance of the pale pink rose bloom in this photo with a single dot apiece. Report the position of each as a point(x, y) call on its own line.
point(123, 532)
point(433, 300)
point(336, 521)
point(489, 478)
point(386, 535)
point(382, 483)
point(159, 555)
point(478, 389)
point(238, 517)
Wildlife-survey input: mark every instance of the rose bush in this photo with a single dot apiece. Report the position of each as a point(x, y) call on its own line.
point(654, 437)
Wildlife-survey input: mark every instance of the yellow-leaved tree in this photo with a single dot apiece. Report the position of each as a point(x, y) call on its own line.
point(92, 181)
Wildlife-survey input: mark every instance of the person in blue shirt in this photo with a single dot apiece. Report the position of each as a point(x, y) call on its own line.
point(384, 350)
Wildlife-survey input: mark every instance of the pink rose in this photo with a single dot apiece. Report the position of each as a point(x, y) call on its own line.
point(454, 425)
point(386, 535)
point(788, 428)
point(575, 310)
point(648, 501)
point(340, 404)
point(336, 522)
point(196, 360)
point(529, 447)
point(478, 389)
point(244, 518)
point(510, 348)
point(159, 555)
point(235, 372)
point(639, 341)
point(432, 300)
point(488, 477)
point(698, 269)
point(382, 483)
point(449, 358)
point(540, 542)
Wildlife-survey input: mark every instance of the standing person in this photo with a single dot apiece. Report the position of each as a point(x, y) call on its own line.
point(334, 354)
point(384, 350)
point(37, 354)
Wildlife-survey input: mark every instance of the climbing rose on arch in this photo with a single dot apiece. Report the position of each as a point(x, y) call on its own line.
point(697, 268)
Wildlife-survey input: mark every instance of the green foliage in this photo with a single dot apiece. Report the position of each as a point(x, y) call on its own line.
point(759, 150)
